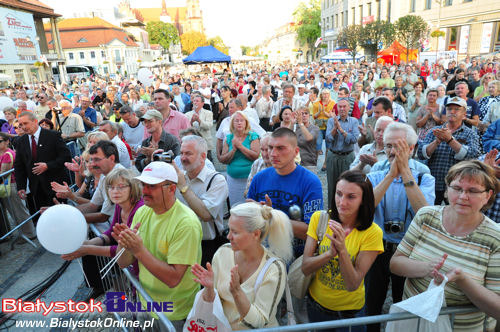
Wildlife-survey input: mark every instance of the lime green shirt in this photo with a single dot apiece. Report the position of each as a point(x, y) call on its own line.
point(173, 237)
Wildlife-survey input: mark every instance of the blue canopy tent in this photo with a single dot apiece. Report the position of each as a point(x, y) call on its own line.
point(206, 54)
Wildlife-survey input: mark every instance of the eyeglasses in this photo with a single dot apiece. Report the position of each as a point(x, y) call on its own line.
point(120, 187)
point(470, 192)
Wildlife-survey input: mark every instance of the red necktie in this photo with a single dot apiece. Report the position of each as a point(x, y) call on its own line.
point(33, 148)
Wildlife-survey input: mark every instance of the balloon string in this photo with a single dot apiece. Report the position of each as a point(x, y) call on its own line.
point(79, 260)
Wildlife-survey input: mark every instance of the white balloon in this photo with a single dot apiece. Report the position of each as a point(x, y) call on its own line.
point(5, 102)
point(145, 76)
point(61, 229)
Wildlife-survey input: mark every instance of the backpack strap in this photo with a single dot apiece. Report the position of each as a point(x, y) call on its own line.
point(262, 272)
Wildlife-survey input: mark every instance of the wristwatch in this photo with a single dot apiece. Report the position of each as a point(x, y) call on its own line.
point(409, 183)
point(184, 189)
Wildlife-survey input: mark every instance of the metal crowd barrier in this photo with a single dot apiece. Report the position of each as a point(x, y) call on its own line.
point(451, 311)
point(122, 280)
point(73, 147)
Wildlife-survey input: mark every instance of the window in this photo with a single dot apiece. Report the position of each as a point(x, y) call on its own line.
point(448, 2)
point(82, 55)
point(19, 75)
point(82, 40)
point(378, 10)
point(92, 54)
point(412, 6)
point(361, 14)
point(370, 9)
point(337, 20)
point(328, 23)
point(70, 55)
point(103, 54)
point(353, 9)
point(496, 46)
point(118, 56)
point(452, 38)
point(428, 4)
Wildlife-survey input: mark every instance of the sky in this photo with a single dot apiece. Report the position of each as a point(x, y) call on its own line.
point(238, 22)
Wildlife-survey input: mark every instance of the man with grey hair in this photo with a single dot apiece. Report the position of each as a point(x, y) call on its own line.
point(70, 125)
point(400, 190)
point(202, 119)
point(88, 114)
point(111, 129)
point(204, 190)
point(373, 152)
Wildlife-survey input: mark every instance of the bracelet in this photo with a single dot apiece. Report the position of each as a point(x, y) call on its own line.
point(451, 139)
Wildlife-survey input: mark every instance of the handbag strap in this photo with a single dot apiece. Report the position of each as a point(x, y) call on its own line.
point(289, 306)
point(322, 224)
point(260, 277)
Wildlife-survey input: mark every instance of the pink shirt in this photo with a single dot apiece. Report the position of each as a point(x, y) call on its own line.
point(6, 159)
point(173, 124)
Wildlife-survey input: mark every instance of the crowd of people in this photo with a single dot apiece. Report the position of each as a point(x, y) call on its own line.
point(411, 157)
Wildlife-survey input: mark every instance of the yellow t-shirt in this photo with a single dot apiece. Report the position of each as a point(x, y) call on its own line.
point(173, 237)
point(327, 287)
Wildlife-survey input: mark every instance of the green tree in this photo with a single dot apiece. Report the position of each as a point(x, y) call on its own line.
point(162, 33)
point(375, 35)
point(245, 50)
point(218, 43)
point(191, 40)
point(308, 18)
point(349, 38)
point(410, 29)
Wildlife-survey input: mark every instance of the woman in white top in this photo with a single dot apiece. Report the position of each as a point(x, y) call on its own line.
point(236, 266)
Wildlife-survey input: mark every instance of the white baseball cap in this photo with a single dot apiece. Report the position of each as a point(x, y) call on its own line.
point(157, 172)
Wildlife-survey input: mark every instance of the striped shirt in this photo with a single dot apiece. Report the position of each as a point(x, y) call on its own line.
point(477, 254)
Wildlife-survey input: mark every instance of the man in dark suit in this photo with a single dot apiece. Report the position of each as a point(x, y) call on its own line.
point(40, 158)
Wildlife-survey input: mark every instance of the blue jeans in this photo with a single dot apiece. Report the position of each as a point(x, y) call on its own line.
point(319, 141)
point(318, 313)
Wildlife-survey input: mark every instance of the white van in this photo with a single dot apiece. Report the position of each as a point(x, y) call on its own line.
point(74, 72)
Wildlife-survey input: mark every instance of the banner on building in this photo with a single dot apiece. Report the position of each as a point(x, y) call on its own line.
point(464, 39)
point(443, 57)
point(486, 38)
point(17, 37)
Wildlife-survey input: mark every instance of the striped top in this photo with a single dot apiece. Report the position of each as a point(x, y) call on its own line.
point(477, 254)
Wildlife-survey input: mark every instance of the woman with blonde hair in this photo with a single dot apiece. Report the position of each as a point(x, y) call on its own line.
point(241, 148)
point(236, 266)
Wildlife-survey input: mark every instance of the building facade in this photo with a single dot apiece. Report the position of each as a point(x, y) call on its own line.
point(283, 46)
point(472, 27)
point(24, 53)
point(95, 42)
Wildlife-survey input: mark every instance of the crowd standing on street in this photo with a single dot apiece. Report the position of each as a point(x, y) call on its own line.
point(411, 157)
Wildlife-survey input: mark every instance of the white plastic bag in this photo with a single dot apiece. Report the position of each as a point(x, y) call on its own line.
point(206, 316)
point(426, 305)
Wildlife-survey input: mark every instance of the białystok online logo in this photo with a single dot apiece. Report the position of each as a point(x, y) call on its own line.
point(118, 302)
point(114, 302)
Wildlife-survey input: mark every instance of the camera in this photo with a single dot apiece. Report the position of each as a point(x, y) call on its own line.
point(166, 157)
point(394, 226)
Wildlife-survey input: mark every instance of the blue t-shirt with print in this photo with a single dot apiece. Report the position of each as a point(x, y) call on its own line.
point(301, 187)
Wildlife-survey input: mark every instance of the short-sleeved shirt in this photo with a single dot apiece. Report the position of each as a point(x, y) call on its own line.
point(240, 165)
point(301, 187)
point(90, 114)
point(173, 237)
point(444, 156)
point(477, 254)
point(308, 156)
point(327, 287)
point(213, 199)
point(134, 136)
point(71, 124)
point(101, 199)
